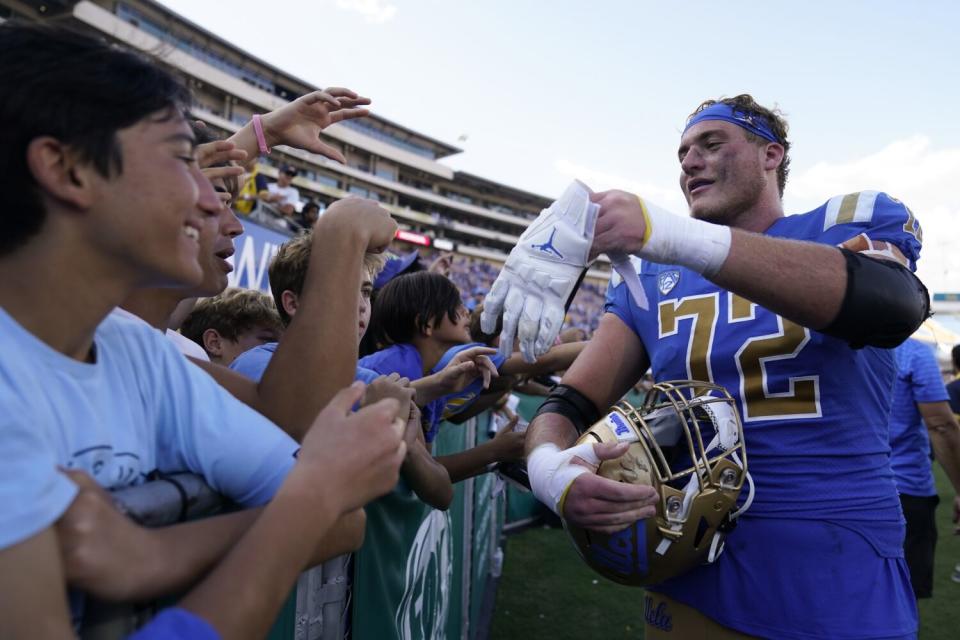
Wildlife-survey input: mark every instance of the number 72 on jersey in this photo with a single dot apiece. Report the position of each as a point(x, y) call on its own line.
point(801, 399)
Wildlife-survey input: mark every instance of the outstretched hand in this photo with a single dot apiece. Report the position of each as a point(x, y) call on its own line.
point(466, 366)
point(354, 456)
point(510, 443)
point(392, 386)
point(299, 123)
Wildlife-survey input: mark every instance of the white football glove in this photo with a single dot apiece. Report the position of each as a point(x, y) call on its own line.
point(541, 273)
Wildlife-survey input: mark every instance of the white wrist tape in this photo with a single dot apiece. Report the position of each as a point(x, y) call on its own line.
point(688, 242)
point(551, 472)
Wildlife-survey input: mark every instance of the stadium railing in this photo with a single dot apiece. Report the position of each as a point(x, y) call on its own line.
point(421, 573)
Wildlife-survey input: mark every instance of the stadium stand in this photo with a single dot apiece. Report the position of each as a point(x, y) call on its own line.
point(397, 166)
point(438, 208)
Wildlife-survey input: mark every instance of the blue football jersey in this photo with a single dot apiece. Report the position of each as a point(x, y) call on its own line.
point(815, 424)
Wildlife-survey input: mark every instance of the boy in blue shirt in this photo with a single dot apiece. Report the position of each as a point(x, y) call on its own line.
point(421, 317)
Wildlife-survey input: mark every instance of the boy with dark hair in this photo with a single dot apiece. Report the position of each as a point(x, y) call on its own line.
point(231, 323)
point(102, 197)
point(421, 317)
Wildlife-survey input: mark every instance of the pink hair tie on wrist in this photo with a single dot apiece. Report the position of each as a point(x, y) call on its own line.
point(258, 130)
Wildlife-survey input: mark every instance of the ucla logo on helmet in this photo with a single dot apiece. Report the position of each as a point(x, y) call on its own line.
point(667, 280)
point(620, 428)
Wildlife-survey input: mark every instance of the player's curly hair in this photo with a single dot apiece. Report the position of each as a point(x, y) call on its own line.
point(774, 117)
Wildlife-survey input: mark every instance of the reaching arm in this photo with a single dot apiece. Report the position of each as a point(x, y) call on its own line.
point(609, 364)
point(462, 369)
point(485, 401)
point(33, 603)
point(863, 294)
point(350, 461)
point(506, 446)
point(299, 123)
point(108, 555)
point(945, 441)
point(426, 476)
point(558, 358)
point(318, 352)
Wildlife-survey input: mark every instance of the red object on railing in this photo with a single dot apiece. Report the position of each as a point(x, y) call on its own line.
point(413, 238)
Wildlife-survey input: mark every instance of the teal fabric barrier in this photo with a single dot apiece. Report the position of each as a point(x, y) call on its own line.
point(423, 573)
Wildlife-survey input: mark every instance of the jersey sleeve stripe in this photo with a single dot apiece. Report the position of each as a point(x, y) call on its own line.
point(848, 207)
point(853, 207)
point(865, 206)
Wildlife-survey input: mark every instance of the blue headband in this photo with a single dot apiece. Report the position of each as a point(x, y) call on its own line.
point(756, 125)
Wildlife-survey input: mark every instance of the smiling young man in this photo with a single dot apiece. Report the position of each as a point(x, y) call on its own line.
point(795, 316)
point(102, 197)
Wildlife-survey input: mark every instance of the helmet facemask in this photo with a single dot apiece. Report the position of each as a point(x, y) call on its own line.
point(686, 441)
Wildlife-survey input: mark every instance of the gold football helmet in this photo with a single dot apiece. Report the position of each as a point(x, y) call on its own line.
point(686, 441)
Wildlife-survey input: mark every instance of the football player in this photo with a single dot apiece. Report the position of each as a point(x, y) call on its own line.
point(795, 315)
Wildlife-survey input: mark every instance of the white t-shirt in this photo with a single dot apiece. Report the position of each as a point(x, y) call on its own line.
point(140, 408)
point(290, 194)
point(186, 346)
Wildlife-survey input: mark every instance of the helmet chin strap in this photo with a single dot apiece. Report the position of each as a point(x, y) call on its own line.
point(725, 438)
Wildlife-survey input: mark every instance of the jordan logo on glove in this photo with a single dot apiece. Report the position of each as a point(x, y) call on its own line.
point(541, 274)
point(547, 247)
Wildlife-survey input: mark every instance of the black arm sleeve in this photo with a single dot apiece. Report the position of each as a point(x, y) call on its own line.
point(883, 305)
point(571, 404)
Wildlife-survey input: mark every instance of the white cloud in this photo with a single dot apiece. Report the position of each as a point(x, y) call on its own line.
point(912, 171)
point(669, 197)
point(378, 11)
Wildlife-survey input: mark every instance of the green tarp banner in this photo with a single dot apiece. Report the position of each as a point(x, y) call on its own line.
point(422, 573)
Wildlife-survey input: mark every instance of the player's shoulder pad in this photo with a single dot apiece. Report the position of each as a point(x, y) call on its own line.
point(871, 209)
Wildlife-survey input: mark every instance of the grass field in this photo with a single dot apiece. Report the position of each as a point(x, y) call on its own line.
point(547, 592)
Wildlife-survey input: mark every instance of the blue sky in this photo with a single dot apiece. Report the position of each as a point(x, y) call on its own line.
point(549, 91)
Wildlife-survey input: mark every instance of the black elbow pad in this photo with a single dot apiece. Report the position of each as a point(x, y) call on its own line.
point(883, 305)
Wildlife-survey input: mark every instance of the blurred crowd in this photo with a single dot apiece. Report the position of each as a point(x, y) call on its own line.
point(138, 364)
